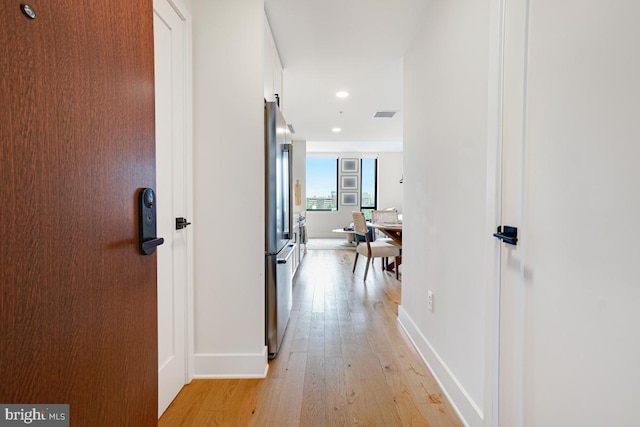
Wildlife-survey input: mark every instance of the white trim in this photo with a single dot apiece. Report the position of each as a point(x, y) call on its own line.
point(469, 412)
point(324, 235)
point(514, 75)
point(189, 184)
point(523, 205)
point(494, 211)
point(182, 11)
point(243, 365)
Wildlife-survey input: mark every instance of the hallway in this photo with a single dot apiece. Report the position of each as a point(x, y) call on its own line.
point(344, 361)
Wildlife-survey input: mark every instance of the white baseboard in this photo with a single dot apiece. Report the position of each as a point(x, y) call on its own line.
point(213, 366)
point(468, 411)
point(327, 235)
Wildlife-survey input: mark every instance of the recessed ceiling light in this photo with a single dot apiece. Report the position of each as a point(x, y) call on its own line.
point(342, 94)
point(336, 130)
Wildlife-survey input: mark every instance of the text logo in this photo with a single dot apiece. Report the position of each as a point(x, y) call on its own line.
point(54, 415)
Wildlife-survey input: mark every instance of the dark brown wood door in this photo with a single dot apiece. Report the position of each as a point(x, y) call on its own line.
point(78, 321)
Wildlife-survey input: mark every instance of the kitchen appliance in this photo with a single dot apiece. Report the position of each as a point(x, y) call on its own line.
point(279, 247)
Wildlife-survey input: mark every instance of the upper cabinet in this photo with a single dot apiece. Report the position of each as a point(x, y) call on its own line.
point(273, 74)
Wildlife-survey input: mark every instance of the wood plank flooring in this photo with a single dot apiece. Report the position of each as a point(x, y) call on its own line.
point(344, 361)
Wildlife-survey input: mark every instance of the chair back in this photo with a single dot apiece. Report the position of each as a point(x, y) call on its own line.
point(360, 224)
point(382, 217)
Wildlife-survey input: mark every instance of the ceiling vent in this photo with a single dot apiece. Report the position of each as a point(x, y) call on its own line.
point(291, 129)
point(384, 114)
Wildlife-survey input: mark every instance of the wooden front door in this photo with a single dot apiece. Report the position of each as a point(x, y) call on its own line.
point(78, 318)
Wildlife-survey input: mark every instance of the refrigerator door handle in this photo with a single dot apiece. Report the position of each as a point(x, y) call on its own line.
point(286, 254)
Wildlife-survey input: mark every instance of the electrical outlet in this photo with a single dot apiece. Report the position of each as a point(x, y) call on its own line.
point(430, 300)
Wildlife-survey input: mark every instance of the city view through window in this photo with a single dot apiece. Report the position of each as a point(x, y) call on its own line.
point(322, 185)
point(369, 184)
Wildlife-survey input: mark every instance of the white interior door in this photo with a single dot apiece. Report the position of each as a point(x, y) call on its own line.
point(569, 289)
point(171, 91)
point(514, 46)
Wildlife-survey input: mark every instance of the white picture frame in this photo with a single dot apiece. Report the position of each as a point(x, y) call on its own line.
point(349, 199)
point(349, 165)
point(349, 182)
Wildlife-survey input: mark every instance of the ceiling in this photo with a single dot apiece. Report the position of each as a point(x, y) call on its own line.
point(356, 46)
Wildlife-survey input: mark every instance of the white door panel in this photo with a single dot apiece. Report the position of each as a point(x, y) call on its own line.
point(171, 183)
point(569, 289)
point(512, 179)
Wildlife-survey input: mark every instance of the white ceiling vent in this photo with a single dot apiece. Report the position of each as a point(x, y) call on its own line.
point(384, 114)
point(291, 129)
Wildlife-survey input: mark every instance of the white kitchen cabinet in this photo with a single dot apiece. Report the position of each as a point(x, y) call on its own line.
point(273, 73)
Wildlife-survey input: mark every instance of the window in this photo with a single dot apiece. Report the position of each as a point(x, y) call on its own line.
point(369, 179)
point(322, 184)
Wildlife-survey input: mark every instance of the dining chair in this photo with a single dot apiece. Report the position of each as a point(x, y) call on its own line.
point(377, 249)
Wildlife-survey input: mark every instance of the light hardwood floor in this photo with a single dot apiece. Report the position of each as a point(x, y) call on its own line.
point(344, 361)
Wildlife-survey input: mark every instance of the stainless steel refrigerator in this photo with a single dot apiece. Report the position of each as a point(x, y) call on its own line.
point(278, 245)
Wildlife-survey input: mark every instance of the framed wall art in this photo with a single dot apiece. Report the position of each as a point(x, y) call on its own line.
point(349, 182)
point(349, 166)
point(349, 199)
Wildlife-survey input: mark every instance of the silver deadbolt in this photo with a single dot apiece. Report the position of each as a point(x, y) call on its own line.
point(28, 11)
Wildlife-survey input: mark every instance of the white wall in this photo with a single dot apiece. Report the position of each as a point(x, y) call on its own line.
point(390, 170)
point(320, 224)
point(445, 147)
point(229, 187)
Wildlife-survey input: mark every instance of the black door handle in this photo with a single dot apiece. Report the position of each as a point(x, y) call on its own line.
point(181, 223)
point(147, 247)
point(507, 234)
point(148, 241)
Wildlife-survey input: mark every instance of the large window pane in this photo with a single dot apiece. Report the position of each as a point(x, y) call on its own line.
point(322, 184)
point(368, 183)
point(369, 186)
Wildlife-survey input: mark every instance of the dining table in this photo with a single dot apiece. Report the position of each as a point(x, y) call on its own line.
point(393, 230)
